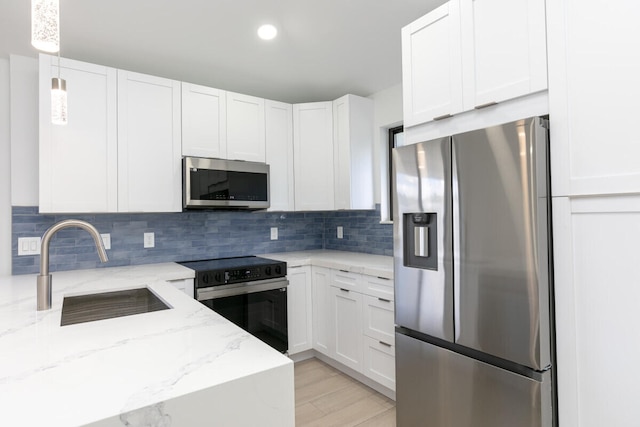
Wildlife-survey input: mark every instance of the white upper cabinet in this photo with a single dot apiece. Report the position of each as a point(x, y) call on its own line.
point(204, 121)
point(471, 54)
point(432, 66)
point(149, 147)
point(279, 154)
point(504, 49)
point(313, 156)
point(78, 161)
point(245, 128)
point(353, 152)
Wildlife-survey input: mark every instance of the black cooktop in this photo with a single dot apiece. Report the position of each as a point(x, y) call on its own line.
point(222, 271)
point(223, 263)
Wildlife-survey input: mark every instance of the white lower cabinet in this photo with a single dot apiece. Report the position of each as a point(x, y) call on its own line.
point(361, 324)
point(379, 362)
point(320, 284)
point(299, 309)
point(346, 323)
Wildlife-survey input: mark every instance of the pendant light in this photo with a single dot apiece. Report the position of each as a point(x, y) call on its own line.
point(58, 99)
point(45, 25)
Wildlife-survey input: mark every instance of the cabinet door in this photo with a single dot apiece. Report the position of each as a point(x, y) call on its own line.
point(299, 309)
point(320, 284)
point(245, 128)
point(346, 311)
point(204, 121)
point(313, 156)
point(432, 66)
point(504, 49)
point(379, 362)
point(279, 153)
point(149, 148)
point(353, 152)
point(78, 161)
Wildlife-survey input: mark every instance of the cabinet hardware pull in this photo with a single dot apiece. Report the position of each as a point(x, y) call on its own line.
point(383, 278)
point(488, 104)
point(444, 116)
point(345, 271)
point(294, 266)
point(344, 290)
point(384, 344)
point(384, 300)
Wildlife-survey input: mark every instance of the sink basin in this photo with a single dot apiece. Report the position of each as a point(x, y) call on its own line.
point(107, 305)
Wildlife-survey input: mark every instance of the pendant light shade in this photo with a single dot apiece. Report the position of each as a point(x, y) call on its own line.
point(45, 25)
point(58, 101)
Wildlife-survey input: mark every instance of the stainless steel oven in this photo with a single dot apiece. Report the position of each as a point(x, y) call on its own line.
point(249, 291)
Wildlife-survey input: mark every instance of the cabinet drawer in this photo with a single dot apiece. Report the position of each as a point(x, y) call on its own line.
point(378, 319)
point(346, 280)
point(378, 287)
point(379, 362)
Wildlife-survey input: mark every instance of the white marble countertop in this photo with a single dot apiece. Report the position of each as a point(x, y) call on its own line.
point(356, 262)
point(88, 372)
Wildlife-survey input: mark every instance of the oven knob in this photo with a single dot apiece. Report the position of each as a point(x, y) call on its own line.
point(218, 277)
point(205, 278)
point(267, 271)
point(278, 269)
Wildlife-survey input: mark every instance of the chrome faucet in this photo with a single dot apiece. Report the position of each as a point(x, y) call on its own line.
point(44, 278)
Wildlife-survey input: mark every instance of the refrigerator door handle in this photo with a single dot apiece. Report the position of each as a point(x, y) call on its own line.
point(455, 219)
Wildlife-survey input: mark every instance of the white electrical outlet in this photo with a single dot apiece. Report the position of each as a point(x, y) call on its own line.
point(340, 232)
point(149, 240)
point(274, 233)
point(106, 240)
point(29, 245)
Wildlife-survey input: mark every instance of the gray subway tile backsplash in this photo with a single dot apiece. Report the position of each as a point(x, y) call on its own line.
point(192, 235)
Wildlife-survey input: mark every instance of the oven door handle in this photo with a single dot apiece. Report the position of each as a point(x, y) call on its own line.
point(203, 294)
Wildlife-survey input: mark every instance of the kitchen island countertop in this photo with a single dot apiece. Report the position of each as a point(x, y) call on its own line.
point(182, 366)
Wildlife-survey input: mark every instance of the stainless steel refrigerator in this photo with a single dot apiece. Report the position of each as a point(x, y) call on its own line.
point(473, 279)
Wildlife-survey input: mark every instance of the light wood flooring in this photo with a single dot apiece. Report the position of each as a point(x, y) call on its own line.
point(326, 397)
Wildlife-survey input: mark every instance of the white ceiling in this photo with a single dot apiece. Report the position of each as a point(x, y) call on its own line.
point(324, 49)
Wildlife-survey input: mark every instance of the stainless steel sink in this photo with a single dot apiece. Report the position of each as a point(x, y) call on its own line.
point(107, 305)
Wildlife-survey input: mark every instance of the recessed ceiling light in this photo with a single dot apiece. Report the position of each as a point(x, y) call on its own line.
point(267, 32)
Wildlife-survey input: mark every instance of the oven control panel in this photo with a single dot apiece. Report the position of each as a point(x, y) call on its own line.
point(225, 276)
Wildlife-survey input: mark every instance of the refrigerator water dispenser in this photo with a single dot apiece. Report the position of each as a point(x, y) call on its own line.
point(420, 237)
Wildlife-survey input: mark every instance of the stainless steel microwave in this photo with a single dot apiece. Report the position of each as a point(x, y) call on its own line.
point(224, 184)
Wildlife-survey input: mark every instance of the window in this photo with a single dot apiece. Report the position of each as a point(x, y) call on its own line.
point(396, 139)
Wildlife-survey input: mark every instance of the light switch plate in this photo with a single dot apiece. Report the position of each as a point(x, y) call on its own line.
point(29, 245)
point(274, 233)
point(149, 240)
point(340, 232)
point(106, 240)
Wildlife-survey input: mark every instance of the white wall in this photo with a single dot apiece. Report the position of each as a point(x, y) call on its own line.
point(24, 131)
point(5, 170)
point(387, 114)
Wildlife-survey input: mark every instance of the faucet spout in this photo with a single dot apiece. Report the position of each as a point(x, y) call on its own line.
point(44, 278)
